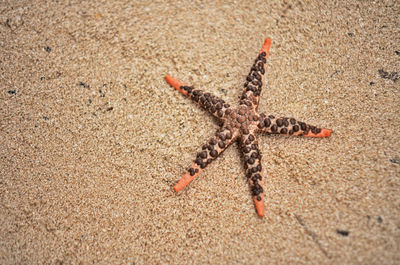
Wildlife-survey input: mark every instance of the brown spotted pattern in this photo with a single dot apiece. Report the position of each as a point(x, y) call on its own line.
point(208, 101)
point(286, 126)
point(252, 163)
point(213, 148)
point(254, 81)
point(241, 124)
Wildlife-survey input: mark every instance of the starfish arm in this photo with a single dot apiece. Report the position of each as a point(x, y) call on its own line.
point(252, 160)
point(209, 151)
point(254, 80)
point(290, 126)
point(207, 101)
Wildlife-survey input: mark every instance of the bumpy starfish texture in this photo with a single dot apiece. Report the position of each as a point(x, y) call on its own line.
point(241, 124)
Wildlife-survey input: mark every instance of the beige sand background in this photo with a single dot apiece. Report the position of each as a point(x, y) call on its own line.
point(93, 139)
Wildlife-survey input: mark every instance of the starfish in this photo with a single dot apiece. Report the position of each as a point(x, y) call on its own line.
point(241, 124)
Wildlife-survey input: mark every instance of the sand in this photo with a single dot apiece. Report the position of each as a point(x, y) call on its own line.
point(93, 139)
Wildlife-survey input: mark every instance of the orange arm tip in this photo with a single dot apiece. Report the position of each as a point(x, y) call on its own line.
point(186, 179)
point(323, 133)
point(259, 205)
point(183, 182)
point(173, 82)
point(266, 46)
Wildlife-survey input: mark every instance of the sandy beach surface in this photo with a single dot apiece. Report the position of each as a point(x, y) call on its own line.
point(92, 138)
